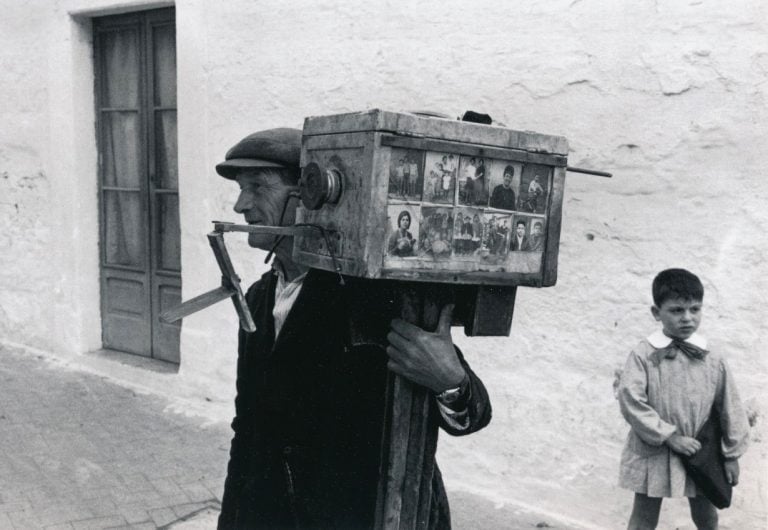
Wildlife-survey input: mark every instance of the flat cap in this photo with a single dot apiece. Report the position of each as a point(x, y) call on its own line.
point(270, 148)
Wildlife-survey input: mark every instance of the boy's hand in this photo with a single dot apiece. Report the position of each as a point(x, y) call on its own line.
point(685, 445)
point(732, 471)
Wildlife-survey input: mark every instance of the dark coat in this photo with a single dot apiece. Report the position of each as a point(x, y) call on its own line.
point(525, 245)
point(309, 418)
point(503, 198)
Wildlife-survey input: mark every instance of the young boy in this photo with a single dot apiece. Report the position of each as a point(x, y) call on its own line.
point(668, 387)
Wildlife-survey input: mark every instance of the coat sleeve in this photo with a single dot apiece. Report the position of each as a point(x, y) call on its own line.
point(243, 426)
point(478, 410)
point(633, 401)
point(733, 418)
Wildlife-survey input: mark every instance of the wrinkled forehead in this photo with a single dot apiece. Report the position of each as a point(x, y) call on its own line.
point(260, 176)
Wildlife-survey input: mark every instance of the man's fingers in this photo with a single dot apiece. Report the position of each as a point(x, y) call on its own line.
point(392, 366)
point(444, 324)
point(406, 329)
point(411, 331)
point(397, 343)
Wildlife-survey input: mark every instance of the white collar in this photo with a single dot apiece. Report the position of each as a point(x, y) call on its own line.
point(658, 340)
point(281, 278)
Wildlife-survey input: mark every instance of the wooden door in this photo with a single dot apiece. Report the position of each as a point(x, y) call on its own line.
point(135, 67)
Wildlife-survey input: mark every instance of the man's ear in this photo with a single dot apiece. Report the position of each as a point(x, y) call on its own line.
point(655, 312)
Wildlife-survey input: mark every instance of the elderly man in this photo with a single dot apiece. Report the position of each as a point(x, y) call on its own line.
point(310, 404)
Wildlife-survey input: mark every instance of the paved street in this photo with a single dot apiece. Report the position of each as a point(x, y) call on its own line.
point(79, 452)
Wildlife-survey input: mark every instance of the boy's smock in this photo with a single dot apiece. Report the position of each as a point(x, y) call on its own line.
point(665, 391)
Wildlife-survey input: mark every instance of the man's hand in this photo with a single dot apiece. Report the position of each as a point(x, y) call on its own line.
point(732, 471)
point(427, 359)
point(685, 445)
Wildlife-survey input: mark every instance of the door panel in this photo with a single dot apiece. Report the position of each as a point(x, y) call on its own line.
point(166, 336)
point(169, 249)
point(124, 240)
point(167, 168)
point(125, 323)
point(121, 149)
point(135, 57)
point(164, 57)
point(121, 69)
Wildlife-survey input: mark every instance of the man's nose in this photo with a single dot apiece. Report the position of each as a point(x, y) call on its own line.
point(244, 202)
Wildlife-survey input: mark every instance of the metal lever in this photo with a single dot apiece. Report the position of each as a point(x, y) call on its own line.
point(230, 288)
point(230, 281)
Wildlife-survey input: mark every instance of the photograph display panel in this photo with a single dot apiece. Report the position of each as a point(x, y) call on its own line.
point(436, 232)
point(402, 231)
point(534, 188)
point(504, 183)
point(468, 230)
point(440, 171)
point(497, 235)
point(472, 181)
point(406, 174)
point(456, 212)
point(527, 234)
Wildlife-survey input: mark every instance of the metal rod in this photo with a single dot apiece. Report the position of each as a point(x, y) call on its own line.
point(222, 226)
point(588, 171)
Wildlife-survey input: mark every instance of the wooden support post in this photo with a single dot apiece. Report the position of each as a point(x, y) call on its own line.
point(410, 434)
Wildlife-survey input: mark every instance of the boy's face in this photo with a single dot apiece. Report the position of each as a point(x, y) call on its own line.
point(680, 318)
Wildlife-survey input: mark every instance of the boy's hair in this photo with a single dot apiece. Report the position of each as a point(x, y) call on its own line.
point(676, 283)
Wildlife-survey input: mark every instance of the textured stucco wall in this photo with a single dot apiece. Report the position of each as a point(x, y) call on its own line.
point(670, 97)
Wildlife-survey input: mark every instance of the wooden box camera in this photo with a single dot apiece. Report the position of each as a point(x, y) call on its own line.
point(407, 197)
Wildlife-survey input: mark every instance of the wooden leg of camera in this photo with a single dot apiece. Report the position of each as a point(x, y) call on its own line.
point(410, 434)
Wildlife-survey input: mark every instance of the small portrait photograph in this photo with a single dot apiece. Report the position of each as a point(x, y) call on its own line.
point(498, 229)
point(527, 234)
point(504, 183)
point(534, 188)
point(435, 232)
point(402, 223)
point(406, 177)
point(537, 236)
point(440, 171)
point(473, 181)
point(468, 231)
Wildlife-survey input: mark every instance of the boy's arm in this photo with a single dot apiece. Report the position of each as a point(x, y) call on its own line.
point(633, 401)
point(733, 417)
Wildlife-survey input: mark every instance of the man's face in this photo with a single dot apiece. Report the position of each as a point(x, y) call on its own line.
point(507, 180)
point(680, 318)
point(537, 229)
point(520, 230)
point(263, 194)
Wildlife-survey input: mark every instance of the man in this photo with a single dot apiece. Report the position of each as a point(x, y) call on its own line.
point(310, 404)
point(503, 195)
point(537, 238)
point(535, 190)
point(519, 239)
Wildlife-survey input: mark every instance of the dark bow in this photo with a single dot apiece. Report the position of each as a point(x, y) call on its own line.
point(670, 352)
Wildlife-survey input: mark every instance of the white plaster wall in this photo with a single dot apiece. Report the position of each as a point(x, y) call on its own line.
point(670, 97)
